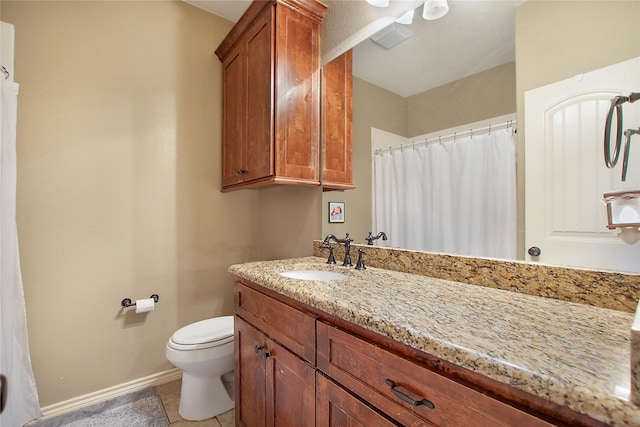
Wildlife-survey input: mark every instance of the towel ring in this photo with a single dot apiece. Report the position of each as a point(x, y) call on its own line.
point(609, 159)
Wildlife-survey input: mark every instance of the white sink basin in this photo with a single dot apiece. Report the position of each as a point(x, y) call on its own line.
point(313, 275)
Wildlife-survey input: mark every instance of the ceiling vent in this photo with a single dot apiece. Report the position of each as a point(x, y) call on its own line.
point(391, 36)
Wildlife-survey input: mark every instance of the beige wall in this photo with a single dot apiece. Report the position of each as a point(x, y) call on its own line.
point(289, 221)
point(556, 40)
point(119, 185)
point(484, 95)
point(481, 96)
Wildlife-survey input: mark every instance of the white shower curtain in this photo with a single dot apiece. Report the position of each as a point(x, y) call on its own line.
point(456, 196)
point(15, 362)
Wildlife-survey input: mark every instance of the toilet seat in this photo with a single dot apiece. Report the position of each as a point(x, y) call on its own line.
point(203, 334)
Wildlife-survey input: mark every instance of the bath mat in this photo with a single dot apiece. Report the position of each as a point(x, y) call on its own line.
point(139, 409)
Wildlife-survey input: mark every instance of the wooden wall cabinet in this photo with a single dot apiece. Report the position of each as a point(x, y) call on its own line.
point(271, 95)
point(336, 129)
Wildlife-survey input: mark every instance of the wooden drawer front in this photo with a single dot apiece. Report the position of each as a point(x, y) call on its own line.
point(290, 327)
point(336, 407)
point(365, 369)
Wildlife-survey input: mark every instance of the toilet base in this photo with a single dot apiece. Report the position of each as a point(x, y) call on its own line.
point(203, 397)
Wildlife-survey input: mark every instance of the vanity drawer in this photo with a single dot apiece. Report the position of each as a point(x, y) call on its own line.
point(292, 328)
point(371, 372)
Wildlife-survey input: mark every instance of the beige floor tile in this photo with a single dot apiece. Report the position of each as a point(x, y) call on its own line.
point(228, 419)
point(169, 395)
point(172, 387)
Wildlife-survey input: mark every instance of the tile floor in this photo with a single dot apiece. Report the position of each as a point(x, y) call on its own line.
point(169, 395)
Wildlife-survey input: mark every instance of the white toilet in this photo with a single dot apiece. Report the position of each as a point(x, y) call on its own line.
point(204, 352)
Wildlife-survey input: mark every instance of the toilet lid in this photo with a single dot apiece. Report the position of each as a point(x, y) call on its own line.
point(205, 331)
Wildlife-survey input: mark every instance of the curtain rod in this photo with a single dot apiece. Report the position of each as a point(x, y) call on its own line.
point(506, 125)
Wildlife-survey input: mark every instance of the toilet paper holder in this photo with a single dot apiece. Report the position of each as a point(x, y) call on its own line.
point(127, 302)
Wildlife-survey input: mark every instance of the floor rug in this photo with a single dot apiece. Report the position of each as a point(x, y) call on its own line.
point(139, 409)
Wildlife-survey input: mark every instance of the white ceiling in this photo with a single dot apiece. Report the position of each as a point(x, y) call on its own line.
point(474, 36)
point(231, 10)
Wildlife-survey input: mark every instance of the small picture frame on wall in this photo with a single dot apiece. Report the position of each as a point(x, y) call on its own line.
point(336, 212)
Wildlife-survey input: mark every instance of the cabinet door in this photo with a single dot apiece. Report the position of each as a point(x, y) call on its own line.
point(337, 88)
point(290, 389)
point(258, 96)
point(250, 375)
point(335, 407)
point(233, 133)
point(297, 96)
point(273, 386)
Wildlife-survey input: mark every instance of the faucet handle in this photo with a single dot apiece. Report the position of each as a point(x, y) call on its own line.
point(370, 239)
point(331, 259)
point(360, 263)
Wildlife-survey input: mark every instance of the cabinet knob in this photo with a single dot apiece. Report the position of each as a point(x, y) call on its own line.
point(241, 171)
point(260, 349)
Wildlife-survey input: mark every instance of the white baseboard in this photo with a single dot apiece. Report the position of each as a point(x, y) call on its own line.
point(109, 393)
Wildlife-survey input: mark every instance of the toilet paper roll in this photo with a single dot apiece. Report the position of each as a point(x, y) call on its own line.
point(145, 305)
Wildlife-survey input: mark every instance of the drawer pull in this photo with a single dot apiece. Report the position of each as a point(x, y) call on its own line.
point(409, 400)
point(257, 349)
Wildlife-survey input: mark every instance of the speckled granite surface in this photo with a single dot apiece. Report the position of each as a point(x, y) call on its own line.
point(618, 291)
point(575, 355)
point(635, 358)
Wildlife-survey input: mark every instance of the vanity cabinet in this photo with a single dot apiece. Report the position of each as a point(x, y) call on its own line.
point(271, 95)
point(295, 364)
point(336, 129)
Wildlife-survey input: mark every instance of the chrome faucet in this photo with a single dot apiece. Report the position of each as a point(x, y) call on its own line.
point(370, 238)
point(347, 247)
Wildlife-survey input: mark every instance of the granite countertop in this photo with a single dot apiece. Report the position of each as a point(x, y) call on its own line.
point(572, 354)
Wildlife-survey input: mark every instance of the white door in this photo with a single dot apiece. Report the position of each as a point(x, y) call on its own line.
point(565, 172)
